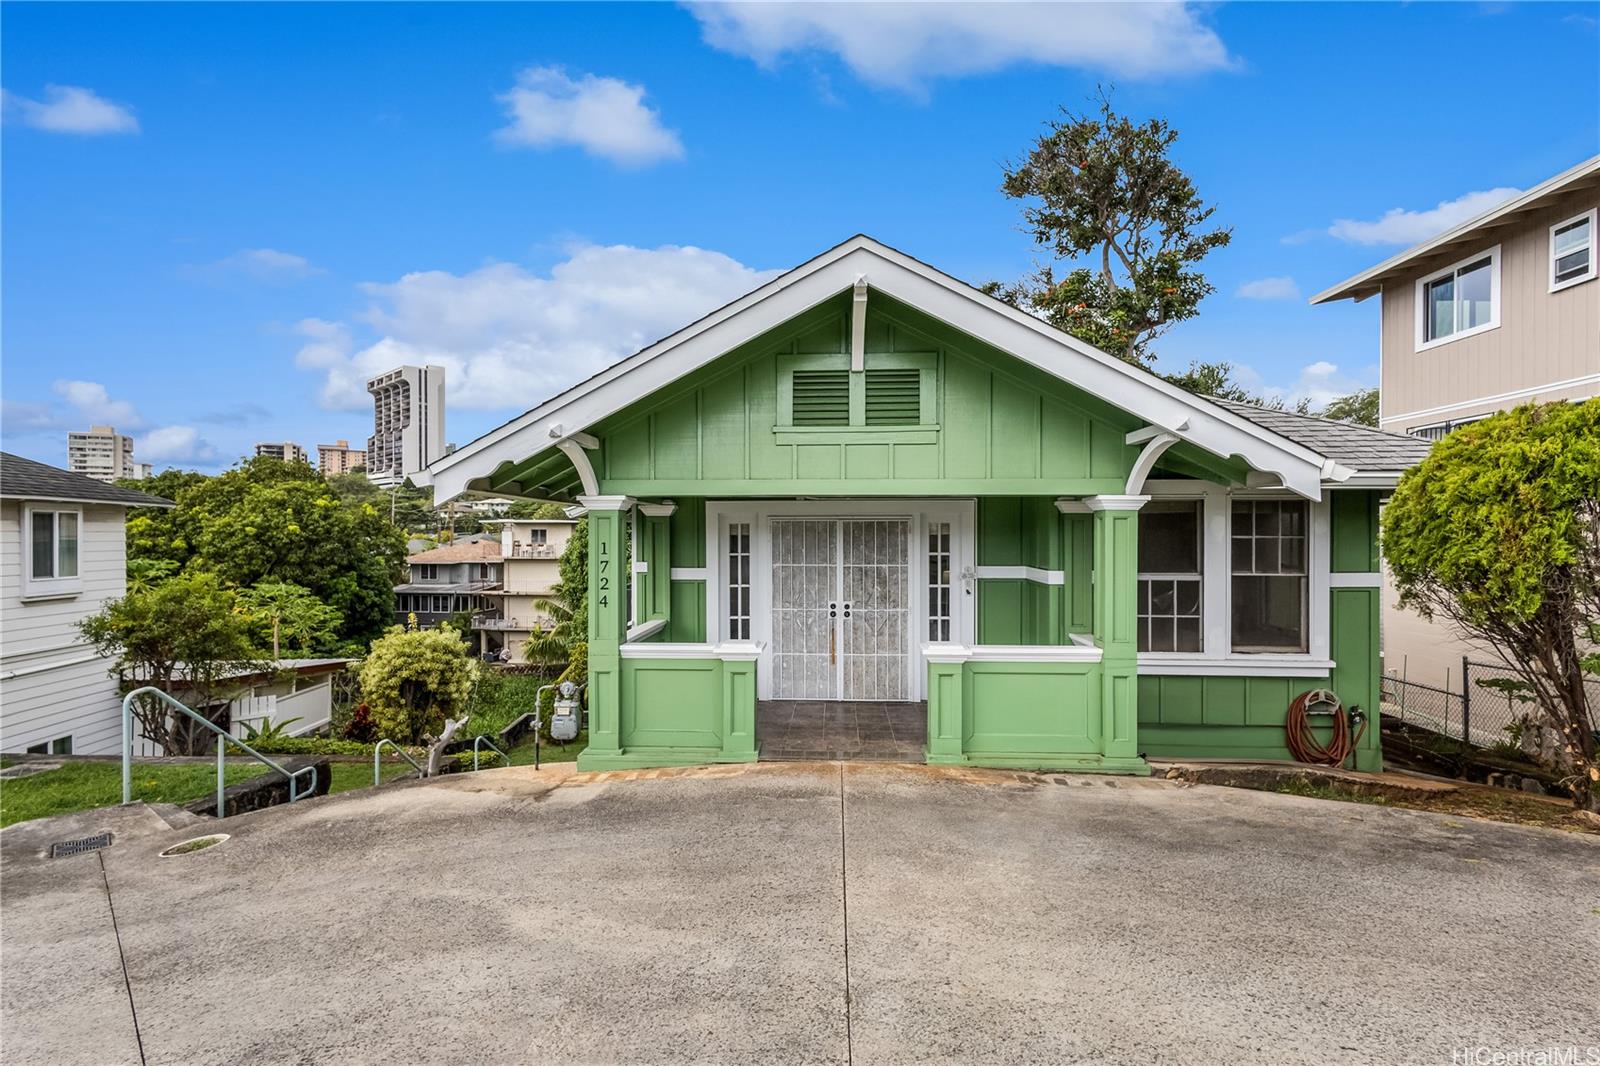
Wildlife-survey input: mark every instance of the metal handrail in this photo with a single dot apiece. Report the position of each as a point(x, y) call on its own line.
point(483, 738)
point(377, 752)
point(222, 748)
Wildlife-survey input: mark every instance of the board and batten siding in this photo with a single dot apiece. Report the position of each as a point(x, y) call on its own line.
point(1543, 336)
point(52, 684)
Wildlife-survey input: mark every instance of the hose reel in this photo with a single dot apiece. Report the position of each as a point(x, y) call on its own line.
point(1348, 728)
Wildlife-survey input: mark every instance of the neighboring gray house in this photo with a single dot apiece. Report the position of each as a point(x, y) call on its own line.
point(448, 580)
point(62, 556)
point(1501, 310)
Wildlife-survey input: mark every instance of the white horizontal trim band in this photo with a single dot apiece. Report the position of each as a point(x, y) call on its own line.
point(1517, 394)
point(1355, 581)
point(689, 573)
point(729, 651)
point(1010, 653)
point(1021, 573)
point(1163, 664)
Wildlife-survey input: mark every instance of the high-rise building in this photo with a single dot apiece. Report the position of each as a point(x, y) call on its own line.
point(288, 451)
point(407, 422)
point(102, 453)
point(339, 458)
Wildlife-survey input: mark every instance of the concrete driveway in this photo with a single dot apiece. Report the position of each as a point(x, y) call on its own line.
point(802, 913)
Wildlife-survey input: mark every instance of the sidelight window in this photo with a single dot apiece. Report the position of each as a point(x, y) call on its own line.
point(739, 581)
point(939, 565)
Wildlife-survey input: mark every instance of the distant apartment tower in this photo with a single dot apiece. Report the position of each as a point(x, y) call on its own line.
point(288, 451)
point(103, 454)
point(407, 422)
point(339, 458)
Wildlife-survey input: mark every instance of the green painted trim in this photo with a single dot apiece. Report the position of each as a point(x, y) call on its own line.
point(1091, 764)
point(856, 434)
point(650, 758)
point(853, 489)
point(1354, 533)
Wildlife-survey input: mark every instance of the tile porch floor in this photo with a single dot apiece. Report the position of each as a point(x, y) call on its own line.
point(865, 732)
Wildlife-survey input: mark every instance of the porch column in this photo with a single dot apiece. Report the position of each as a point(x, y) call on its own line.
point(608, 620)
point(1116, 602)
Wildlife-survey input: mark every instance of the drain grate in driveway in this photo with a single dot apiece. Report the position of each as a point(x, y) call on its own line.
point(61, 849)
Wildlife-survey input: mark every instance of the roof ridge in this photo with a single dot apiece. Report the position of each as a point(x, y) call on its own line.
point(1314, 418)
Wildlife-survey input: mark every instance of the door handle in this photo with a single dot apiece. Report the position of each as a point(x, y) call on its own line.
point(847, 610)
point(833, 610)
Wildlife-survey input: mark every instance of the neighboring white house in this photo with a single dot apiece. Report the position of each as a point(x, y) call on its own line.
point(62, 556)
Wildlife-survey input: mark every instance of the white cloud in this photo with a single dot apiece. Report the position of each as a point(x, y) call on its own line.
point(903, 46)
point(173, 444)
point(511, 338)
point(72, 109)
point(1320, 382)
point(603, 116)
point(1399, 226)
point(93, 403)
point(1269, 289)
point(267, 265)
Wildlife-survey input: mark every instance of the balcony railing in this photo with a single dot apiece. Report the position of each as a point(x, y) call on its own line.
point(495, 623)
point(533, 551)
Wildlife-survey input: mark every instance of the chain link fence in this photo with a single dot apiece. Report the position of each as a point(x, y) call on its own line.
point(1490, 711)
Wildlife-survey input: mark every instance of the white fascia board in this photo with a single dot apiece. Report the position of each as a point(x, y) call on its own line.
point(992, 321)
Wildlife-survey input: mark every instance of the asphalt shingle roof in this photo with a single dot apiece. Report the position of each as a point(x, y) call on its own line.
point(1359, 447)
point(24, 479)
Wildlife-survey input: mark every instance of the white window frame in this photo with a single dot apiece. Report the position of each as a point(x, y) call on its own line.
point(1200, 576)
point(1594, 250)
point(50, 587)
point(1423, 343)
point(1216, 591)
point(1234, 575)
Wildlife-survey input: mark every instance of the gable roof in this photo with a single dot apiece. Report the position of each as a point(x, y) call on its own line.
point(1362, 449)
point(1194, 419)
point(462, 551)
point(24, 479)
point(1370, 282)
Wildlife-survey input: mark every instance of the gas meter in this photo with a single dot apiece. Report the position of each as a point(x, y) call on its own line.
point(564, 720)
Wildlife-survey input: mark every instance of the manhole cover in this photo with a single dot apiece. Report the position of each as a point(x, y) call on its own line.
point(61, 849)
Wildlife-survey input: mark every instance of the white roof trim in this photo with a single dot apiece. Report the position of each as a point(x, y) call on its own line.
point(1192, 418)
point(1356, 286)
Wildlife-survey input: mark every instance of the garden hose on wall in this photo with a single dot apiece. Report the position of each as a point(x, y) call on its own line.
point(1303, 743)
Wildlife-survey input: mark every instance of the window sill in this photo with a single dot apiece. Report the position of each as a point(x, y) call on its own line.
point(40, 593)
point(1168, 664)
point(856, 434)
point(1423, 346)
point(1559, 286)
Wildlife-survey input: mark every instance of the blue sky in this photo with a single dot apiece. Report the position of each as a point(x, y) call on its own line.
point(217, 220)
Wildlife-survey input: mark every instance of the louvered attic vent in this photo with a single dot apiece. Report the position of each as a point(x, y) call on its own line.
point(894, 397)
point(821, 398)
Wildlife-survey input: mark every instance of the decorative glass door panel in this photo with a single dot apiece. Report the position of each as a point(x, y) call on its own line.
point(841, 600)
point(875, 606)
point(805, 594)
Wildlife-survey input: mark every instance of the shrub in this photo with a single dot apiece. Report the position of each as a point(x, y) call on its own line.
point(414, 679)
point(360, 727)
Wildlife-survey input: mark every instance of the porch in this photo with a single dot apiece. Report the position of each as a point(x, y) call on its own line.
point(864, 731)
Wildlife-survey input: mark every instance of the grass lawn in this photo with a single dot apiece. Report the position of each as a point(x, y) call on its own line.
point(82, 786)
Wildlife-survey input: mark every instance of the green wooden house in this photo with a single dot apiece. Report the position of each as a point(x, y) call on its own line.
point(868, 481)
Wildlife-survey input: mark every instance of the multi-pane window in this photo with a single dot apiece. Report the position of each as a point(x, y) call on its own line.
point(1460, 300)
point(939, 560)
point(58, 746)
point(55, 544)
point(1270, 591)
point(427, 572)
point(1572, 248)
point(739, 581)
point(538, 536)
point(1169, 575)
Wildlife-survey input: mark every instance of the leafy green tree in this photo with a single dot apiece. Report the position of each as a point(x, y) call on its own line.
point(415, 679)
point(282, 612)
point(1360, 407)
point(1498, 532)
point(271, 521)
point(536, 509)
point(1103, 188)
point(186, 636)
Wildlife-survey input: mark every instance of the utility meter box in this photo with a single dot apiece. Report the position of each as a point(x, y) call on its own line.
point(564, 720)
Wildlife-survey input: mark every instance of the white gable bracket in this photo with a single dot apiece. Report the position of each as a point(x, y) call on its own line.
point(580, 462)
point(1153, 450)
point(858, 325)
point(1140, 436)
point(584, 439)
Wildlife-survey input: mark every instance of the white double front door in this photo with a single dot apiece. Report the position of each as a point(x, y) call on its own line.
point(841, 603)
